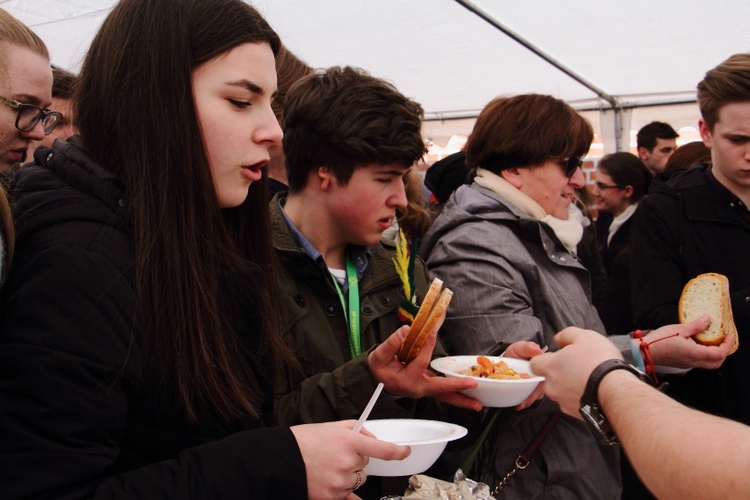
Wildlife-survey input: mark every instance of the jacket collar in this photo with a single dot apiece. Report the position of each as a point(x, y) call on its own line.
point(378, 269)
point(700, 198)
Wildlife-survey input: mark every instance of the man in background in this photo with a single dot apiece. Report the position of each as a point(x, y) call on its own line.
point(656, 143)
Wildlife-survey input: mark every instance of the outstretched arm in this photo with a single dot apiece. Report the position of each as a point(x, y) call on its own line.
point(678, 452)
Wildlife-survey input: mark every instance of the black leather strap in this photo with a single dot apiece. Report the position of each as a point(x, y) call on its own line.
point(590, 394)
point(590, 409)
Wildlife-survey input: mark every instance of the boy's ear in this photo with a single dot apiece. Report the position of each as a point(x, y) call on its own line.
point(706, 134)
point(325, 178)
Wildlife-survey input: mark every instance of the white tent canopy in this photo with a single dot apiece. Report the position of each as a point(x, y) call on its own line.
point(638, 54)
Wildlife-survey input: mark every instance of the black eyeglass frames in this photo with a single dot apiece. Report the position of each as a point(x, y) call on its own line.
point(28, 115)
point(601, 186)
point(570, 165)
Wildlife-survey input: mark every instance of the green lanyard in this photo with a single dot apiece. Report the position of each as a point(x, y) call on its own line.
point(352, 319)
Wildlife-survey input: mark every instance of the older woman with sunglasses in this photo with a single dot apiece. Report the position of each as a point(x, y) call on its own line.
point(621, 182)
point(506, 245)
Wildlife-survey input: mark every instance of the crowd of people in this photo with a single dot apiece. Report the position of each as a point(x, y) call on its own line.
point(210, 253)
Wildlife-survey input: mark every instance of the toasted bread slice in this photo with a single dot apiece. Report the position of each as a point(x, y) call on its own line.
point(709, 294)
point(434, 321)
point(424, 311)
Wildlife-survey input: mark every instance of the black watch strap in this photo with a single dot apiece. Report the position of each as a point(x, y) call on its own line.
point(590, 409)
point(590, 394)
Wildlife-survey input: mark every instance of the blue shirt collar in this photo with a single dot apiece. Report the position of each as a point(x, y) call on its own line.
point(360, 255)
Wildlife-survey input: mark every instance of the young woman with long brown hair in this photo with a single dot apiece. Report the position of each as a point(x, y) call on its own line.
point(139, 345)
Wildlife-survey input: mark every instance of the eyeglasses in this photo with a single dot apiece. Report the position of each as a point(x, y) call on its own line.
point(29, 115)
point(601, 187)
point(570, 165)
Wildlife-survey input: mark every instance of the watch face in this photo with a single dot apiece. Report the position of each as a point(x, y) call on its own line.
point(596, 420)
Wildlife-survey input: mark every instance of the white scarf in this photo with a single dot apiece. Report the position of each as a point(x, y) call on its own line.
point(569, 232)
point(619, 221)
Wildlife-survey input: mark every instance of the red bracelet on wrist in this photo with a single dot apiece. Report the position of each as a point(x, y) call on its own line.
point(647, 361)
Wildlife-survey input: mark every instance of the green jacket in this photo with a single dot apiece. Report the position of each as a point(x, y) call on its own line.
point(330, 385)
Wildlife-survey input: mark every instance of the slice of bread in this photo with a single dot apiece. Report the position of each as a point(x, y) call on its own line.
point(709, 294)
point(416, 335)
point(434, 321)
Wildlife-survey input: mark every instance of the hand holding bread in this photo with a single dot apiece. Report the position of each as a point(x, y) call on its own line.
point(709, 294)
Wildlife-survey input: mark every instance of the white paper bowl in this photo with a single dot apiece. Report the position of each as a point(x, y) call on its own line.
point(495, 393)
point(427, 439)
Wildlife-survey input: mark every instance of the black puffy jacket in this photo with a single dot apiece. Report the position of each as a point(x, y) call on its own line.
point(79, 412)
point(682, 229)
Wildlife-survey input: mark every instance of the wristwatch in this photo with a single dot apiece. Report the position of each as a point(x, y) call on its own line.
point(590, 409)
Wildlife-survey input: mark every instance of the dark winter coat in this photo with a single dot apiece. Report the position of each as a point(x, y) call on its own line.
point(617, 313)
point(331, 385)
point(80, 414)
point(685, 227)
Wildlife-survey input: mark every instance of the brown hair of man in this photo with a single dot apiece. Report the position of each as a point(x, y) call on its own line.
point(648, 134)
point(727, 83)
point(526, 130)
point(345, 119)
point(63, 83)
point(136, 115)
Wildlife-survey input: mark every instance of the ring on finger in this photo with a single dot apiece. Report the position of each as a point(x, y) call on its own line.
point(359, 481)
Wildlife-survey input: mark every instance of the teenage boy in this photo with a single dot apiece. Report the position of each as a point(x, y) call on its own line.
point(698, 222)
point(349, 140)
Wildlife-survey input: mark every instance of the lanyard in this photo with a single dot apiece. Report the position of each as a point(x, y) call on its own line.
point(352, 318)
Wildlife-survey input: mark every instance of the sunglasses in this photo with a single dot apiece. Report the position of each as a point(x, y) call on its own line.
point(570, 165)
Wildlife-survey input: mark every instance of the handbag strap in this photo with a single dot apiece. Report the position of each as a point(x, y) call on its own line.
point(523, 460)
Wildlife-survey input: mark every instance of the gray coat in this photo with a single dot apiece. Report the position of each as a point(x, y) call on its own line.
point(514, 280)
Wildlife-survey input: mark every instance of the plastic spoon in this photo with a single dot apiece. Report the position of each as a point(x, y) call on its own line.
point(368, 408)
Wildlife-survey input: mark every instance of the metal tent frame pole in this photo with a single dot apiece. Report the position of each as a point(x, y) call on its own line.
point(612, 100)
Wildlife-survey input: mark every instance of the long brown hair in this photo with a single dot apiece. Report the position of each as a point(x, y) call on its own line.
point(136, 115)
point(8, 234)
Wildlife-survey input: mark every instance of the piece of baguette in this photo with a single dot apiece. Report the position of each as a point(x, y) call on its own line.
point(428, 303)
point(709, 294)
point(434, 320)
